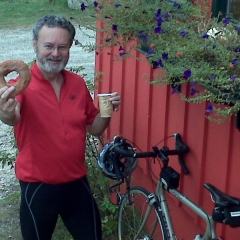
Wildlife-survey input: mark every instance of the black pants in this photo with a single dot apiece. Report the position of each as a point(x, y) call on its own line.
point(41, 204)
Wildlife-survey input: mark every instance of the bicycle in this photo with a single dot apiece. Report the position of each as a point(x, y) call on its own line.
point(144, 215)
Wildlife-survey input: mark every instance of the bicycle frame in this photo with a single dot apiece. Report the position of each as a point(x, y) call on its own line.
point(169, 181)
point(210, 232)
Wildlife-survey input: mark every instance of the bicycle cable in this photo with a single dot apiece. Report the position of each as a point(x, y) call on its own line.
point(149, 161)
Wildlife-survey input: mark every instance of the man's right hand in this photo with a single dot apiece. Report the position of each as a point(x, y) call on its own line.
point(9, 107)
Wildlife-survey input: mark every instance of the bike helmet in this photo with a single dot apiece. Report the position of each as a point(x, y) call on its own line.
point(105, 161)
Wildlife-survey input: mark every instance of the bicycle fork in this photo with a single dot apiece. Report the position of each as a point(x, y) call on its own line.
point(163, 209)
point(151, 200)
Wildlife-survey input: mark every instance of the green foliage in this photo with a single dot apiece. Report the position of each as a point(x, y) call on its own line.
point(100, 187)
point(183, 42)
point(8, 148)
point(23, 13)
point(90, 82)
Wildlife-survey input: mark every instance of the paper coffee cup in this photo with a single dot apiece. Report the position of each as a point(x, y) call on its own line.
point(105, 105)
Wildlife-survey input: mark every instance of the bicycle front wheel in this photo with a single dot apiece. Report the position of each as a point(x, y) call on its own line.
point(134, 223)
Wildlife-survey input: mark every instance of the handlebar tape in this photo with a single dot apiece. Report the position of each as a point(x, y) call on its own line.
point(127, 153)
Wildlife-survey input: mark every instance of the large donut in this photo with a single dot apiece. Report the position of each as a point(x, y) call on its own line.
point(24, 75)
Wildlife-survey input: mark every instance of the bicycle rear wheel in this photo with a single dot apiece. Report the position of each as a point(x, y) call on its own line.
point(131, 216)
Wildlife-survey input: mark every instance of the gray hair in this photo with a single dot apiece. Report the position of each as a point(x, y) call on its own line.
point(51, 22)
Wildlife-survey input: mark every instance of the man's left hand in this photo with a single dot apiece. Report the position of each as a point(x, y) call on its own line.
point(116, 101)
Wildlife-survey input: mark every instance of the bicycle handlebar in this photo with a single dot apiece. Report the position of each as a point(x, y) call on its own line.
point(120, 151)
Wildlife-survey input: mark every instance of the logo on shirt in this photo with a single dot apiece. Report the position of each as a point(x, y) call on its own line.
point(72, 97)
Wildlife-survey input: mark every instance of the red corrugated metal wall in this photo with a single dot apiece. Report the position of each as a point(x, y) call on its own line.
point(150, 113)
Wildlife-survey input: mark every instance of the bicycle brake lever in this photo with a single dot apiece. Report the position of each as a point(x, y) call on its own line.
point(180, 145)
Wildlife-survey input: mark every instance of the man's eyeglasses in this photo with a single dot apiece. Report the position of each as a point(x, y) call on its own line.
point(50, 47)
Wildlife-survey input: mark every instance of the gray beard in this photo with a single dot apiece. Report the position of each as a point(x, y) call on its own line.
point(46, 66)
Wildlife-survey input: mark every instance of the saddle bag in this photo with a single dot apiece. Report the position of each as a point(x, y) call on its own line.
point(227, 215)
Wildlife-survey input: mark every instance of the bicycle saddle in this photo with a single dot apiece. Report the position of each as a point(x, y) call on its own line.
point(221, 199)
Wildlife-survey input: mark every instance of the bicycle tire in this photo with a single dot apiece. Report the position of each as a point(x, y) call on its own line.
point(131, 216)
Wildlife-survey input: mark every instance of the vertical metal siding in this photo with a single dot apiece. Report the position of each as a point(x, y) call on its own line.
point(150, 113)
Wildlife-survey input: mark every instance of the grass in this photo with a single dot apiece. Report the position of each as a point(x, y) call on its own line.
point(9, 217)
point(24, 13)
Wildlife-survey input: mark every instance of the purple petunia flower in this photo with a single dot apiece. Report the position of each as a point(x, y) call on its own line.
point(238, 29)
point(114, 27)
point(226, 20)
point(159, 17)
point(159, 12)
point(165, 56)
point(233, 78)
point(157, 64)
point(122, 54)
point(175, 90)
point(209, 108)
point(167, 16)
point(205, 35)
point(193, 83)
point(183, 33)
point(213, 77)
point(83, 7)
point(176, 5)
point(117, 5)
point(193, 91)
point(187, 74)
point(121, 48)
point(158, 29)
point(235, 61)
point(150, 52)
point(143, 36)
point(237, 49)
point(95, 3)
point(159, 20)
